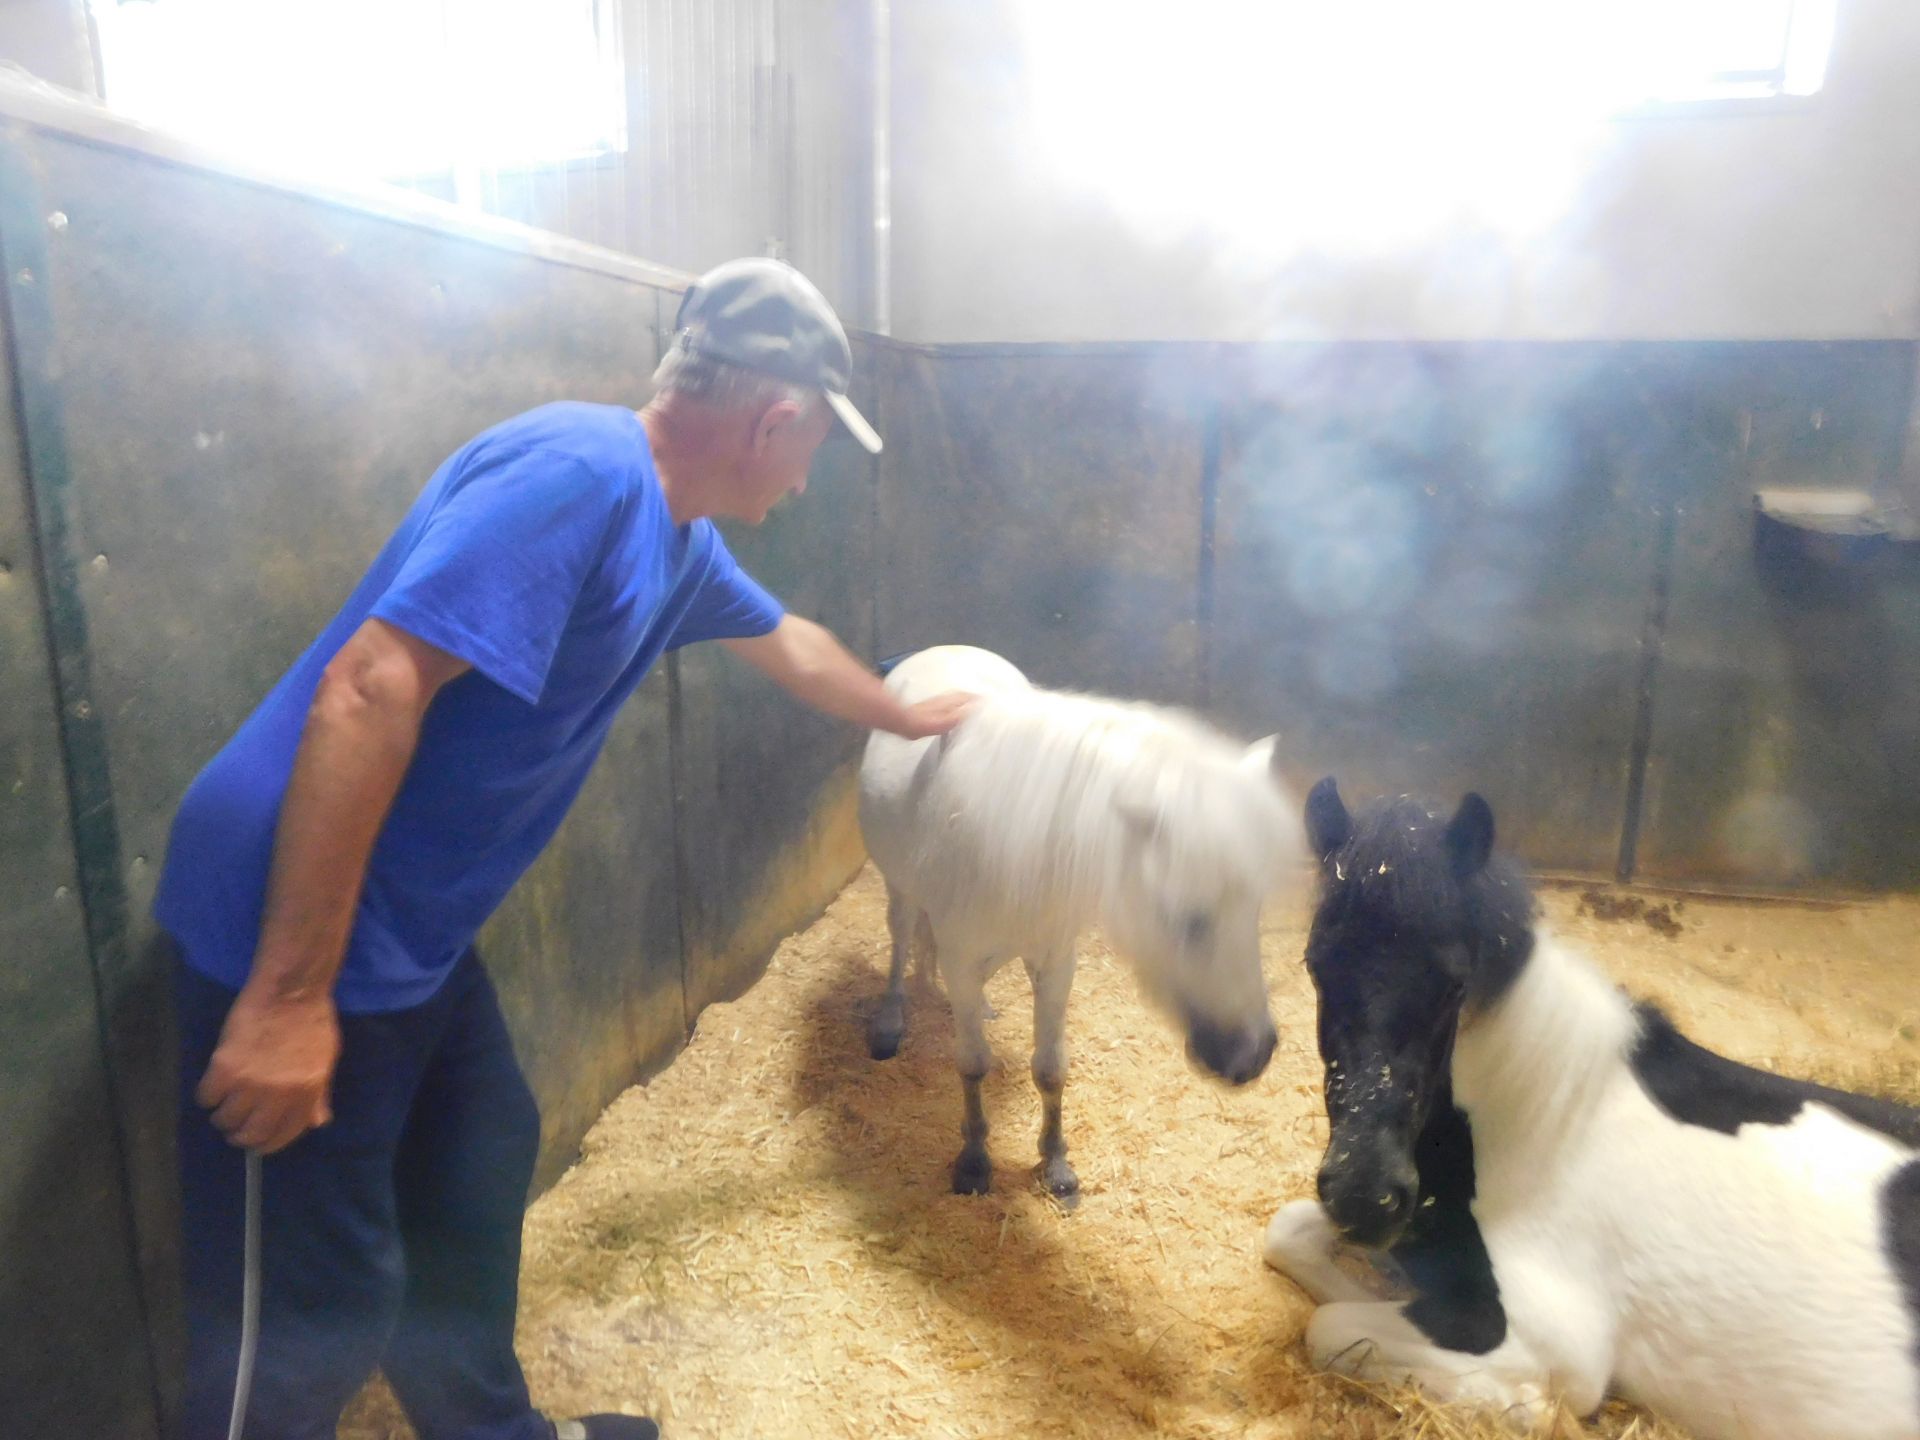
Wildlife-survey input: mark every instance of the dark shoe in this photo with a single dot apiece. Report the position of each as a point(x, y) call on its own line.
point(606, 1427)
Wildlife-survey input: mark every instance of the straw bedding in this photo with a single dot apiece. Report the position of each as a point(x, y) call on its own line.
point(761, 1241)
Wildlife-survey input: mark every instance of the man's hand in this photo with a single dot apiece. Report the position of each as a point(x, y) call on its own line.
point(269, 1078)
point(937, 715)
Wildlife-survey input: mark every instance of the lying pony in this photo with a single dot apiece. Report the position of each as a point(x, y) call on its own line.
point(1534, 1188)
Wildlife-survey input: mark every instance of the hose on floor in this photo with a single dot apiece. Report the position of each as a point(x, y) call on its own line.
point(249, 1303)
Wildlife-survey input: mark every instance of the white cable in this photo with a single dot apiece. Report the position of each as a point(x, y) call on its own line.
point(249, 1302)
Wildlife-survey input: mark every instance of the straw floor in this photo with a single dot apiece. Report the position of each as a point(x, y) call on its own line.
point(761, 1241)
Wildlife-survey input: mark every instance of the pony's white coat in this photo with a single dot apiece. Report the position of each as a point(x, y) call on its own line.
point(1737, 1283)
point(1045, 812)
point(1020, 827)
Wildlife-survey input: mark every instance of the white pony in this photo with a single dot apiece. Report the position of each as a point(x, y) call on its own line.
point(1045, 812)
point(1534, 1187)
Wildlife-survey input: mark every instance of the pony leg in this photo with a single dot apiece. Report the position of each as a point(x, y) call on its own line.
point(889, 1022)
point(966, 988)
point(925, 957)
point(1052, 982)
point(1375, 1342)
point(1305, 1246)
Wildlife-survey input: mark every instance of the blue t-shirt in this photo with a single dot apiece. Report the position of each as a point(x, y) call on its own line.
point(543, 554)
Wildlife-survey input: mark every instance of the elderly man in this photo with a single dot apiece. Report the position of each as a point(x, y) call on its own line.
point(329, 868)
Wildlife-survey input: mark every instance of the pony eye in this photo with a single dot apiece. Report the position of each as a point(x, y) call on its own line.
point(1197, 928)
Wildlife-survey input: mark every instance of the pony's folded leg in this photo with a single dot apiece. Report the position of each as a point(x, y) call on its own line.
point(1302, 1244)
point(1375, 1342)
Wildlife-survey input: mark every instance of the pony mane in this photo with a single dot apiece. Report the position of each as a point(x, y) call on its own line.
point(1396, 857)
point(1060, 776)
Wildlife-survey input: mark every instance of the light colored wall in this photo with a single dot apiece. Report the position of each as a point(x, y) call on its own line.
point(1795, 221)
point(50, 39)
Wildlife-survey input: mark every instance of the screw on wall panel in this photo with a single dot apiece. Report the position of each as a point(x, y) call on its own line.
point(57, 221)
point(82, 709)
point(23, 276)
point(99, 562)
point(61, 892)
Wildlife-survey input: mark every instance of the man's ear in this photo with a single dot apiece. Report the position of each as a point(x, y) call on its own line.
point(775, 418)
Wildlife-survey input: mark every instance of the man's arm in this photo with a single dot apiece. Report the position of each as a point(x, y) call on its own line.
point(807, 662)
point(268, 1080)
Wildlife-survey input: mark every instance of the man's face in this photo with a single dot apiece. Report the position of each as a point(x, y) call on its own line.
point(776, 456)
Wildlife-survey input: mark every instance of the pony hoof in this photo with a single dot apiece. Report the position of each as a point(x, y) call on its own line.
point(972, 1174)
point(1063, 1185)
point(884, 1031)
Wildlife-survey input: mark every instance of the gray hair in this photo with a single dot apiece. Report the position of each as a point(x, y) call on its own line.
point(724, 386)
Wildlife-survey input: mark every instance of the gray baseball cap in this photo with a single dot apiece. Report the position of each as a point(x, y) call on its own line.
point(765, 315)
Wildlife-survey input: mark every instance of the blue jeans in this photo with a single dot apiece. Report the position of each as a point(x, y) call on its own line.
point(390, 1237)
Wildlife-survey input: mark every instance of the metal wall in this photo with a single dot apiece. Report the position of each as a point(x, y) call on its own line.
point(749, 131)
point(1527, 569)
point(64, 1204)
point(1785, 724)
point(1047, 505)
point(752, 870)
point(230, 393)
point(752, 124)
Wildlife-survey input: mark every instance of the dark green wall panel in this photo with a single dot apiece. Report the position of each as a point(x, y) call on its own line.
point(1432, 569)
point(1048, 507)
point(1523, 569)
point(757, 771)
point(76, 1357)
point(1786, 730)
point(586, 951)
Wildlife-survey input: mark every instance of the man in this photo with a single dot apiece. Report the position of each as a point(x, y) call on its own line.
point(329, 868)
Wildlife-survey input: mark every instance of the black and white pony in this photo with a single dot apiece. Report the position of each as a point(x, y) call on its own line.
point(1534, 1188)
point(1046, 812)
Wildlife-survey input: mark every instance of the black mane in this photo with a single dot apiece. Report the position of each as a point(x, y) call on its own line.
point(1397, 858)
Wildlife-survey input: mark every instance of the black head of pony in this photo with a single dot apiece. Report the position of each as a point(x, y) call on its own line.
point(1417, 918)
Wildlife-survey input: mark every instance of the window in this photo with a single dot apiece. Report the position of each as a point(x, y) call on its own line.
point(373, 89)
point(1370, 125)
point(1740, 50)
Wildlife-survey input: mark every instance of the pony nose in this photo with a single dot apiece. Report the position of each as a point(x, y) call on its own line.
point(1235, 1055)
point(1370, 1210)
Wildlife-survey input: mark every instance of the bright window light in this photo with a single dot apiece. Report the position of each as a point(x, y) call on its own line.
point(1372, 123)
point(372, 89)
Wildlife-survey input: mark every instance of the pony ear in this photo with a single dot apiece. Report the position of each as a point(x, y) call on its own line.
point(1260, 756)
point(1470, 837)
point(1328, 824)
